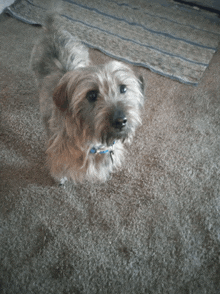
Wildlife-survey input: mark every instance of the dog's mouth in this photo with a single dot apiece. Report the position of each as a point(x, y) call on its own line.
point(110, 137)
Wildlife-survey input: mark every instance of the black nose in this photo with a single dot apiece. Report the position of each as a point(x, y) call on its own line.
point(119, 119)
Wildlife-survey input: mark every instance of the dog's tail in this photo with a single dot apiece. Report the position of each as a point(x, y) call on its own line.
point(50, 20)
point(57, 50)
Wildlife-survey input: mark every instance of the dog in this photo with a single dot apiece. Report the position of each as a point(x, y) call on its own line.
point(88, 111)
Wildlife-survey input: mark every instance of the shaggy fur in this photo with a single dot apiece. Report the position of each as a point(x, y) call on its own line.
point(83, 107)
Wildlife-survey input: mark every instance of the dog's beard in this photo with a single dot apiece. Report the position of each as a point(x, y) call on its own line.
point(108, 137)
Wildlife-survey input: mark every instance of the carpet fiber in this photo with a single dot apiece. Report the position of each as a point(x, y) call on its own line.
point(166, 37)
point(153, 228)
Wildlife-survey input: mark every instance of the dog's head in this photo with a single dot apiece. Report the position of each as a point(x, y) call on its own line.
point(103, 102)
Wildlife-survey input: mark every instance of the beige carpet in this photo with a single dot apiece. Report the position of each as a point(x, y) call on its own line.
point(153, 228)
point(168, 38)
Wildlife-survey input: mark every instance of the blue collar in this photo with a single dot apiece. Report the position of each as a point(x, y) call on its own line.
point(102, 149)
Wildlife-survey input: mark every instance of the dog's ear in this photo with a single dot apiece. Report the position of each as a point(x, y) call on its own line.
point(60, 96)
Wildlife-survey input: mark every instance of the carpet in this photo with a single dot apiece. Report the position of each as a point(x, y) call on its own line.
point(168, 38)
point(153, 228)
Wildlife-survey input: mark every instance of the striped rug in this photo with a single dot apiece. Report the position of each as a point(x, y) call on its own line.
point(168, 38)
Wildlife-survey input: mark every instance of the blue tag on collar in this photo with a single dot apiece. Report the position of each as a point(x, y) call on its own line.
point(96, 150)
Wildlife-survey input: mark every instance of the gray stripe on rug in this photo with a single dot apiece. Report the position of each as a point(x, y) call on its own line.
point(170, 40)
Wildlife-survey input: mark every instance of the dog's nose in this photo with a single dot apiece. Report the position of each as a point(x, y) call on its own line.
point(119, 119)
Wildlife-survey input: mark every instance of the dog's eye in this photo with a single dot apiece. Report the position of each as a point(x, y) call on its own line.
point(123, 89)
point(92, 96)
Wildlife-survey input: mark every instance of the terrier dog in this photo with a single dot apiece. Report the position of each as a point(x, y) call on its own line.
point(88, 111)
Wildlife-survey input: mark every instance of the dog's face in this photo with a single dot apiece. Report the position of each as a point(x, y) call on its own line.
point(102, 103)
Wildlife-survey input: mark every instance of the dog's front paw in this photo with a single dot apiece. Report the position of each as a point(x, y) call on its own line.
point(63, 181)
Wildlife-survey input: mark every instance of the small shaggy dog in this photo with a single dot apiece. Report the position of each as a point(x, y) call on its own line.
point(88, 111)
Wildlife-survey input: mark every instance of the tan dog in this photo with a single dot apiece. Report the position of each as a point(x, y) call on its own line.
point(88, 111)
